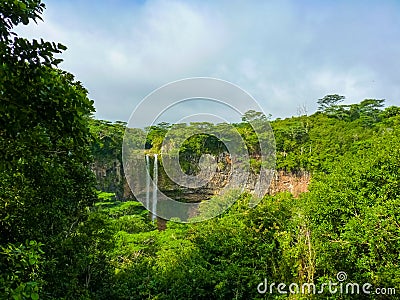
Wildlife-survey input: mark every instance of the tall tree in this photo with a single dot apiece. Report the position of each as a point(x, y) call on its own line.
point(46, 183)
point(329, 101)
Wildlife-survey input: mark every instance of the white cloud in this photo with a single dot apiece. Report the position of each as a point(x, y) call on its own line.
point(285, 53)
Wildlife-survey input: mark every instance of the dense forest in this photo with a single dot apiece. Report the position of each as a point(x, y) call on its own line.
point(71, 229)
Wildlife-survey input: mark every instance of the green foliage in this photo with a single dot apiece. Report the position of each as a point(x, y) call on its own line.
point(155, 136)
point(108, 138)
point(348, 222)
point(57, 242)
point(354, 213)
point(222, 258)
point(106, 147)
point(329, 102)
point(367, 112)
point(21, 267)
point(82, 266)
point(104, 196)
point(46, 183)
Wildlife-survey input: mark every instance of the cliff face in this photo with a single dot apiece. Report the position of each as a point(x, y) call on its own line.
point(280, 181)
point(110, 178)
point(293, 182)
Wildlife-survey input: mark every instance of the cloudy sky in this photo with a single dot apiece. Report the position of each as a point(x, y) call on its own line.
point(286, 54)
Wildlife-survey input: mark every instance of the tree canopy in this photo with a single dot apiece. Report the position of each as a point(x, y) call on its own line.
point(46, 182)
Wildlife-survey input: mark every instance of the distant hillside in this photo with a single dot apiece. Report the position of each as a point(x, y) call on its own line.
point(304, 144)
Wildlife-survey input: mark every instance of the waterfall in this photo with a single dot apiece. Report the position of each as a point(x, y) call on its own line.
point(155, 183)
point(148, 179)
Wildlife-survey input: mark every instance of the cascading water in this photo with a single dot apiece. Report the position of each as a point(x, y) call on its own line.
point(148, 180)
point(155, 183)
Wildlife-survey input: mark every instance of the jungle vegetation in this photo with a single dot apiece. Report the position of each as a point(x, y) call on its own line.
point(65, 236)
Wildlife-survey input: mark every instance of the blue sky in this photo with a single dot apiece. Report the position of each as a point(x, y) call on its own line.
point(286, 54)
